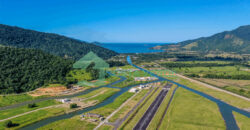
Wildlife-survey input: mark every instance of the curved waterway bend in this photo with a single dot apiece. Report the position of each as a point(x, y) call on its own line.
point(69, 115)
point(225, 109)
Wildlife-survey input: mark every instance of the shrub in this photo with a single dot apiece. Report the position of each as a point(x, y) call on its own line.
point(8, 124)
point(32, 105)
point(73, 105)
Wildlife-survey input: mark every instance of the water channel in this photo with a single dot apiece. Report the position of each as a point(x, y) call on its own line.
point(225, 109)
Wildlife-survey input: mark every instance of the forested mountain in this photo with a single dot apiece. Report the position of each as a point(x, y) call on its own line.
point(235, 41)
point(51, 43)
point(26, 69)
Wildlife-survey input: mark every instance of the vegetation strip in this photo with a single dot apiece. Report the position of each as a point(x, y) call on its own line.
point(132, 110)
point(106, 120)
point(165, 111)
point(146, 102)
point(149, 114)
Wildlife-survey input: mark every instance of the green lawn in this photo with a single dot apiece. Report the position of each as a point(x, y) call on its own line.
point(70, 124)
point(75, 122)
point(242, 121)
point(160, 112)
point(220, 71)
point(230, 99)
point(137, 114)
point(95, 92)
point(190, 111)
point(125, 109)
point(106, 127)
point(12, 112)
point(102, 97)
point(34, 117)
point(108, 109)
point(13, 99)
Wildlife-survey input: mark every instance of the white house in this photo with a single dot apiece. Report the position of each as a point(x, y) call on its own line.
point(65, 100)
point(133, 90)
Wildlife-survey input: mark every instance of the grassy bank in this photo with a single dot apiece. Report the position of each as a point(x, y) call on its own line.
point(13, 99)
point(102, 97)
point(190, 111)
point(108, 109)
point(242, 121)
point(76, 122)
point(230, 99)
point(124, 110)
point(70, 124)
point(19, 110)
point(34, 117)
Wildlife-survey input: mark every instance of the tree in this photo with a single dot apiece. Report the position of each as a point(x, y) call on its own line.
point(73, 105)
point(32, 105)
point(8, 124)
point(90, 67)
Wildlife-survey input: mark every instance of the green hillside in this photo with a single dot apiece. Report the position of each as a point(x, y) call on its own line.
point(235, 41)
point(26, 69)
point(52, 43)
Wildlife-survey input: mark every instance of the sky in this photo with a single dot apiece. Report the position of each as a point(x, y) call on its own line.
point(135, 21)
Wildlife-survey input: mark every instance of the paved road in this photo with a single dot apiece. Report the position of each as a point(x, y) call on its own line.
point(149, 114)
point(209, 86)
point(113, 113)
point(165, 111)
point(119, 122)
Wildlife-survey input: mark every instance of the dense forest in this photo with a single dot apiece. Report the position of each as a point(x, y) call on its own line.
point(26, 69)
point(149, 57)
point(198, 64)
point(52, 43)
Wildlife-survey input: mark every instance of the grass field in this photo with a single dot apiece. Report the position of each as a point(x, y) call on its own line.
point(230, 99)
point(160, 112)
point(34, 117)
point(228, 70)
point(108, 109)
point(13, 99)
point(19, 110)
point(129, 72)
point(106, 127)
point(76, 123)
point(97, 91)
point(137, 114)
point(129, 82)
point(45, 113)
point(242, 121)
point(192, 112)
point(102, 97)
point(241, 87)
point(70, 124)
point(124, 110)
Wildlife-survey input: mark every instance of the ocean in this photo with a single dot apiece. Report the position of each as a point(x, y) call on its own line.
point(132, 47)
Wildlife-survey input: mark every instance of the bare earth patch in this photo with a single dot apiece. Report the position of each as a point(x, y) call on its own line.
point(55, 91)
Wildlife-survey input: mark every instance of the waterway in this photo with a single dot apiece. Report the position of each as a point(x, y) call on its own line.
point(69, 115)
point(225, 109)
